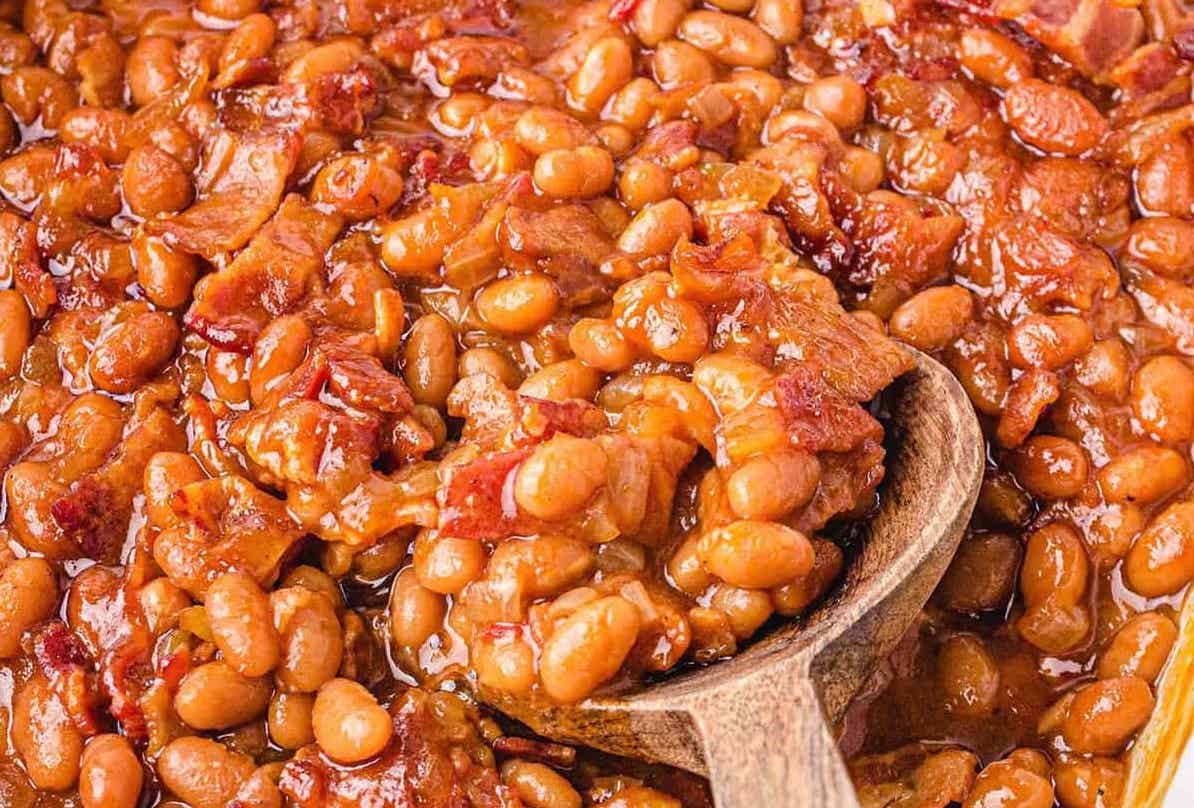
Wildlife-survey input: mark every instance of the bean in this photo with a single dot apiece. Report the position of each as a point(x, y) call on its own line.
point(518, 305)
point(1140, 648)
point(204, 773)
point(1094, 783)
point(1006, 783)
point(15, 332)
point(1055, 565)
point(993, 57)
point(447, 564)
point(755, 554)
point(968, 676)
point(289, 719)
point(110, 774)
point(559, 477)
point(588, 648)
point(653, 21)
point(45, 737)
point(215, 696)
point(1106, 714)
point(239, 614)
point(656, 228)
point(1143, 475)
point(28, 595)
point(1050, 467)
point(349, 724)
point(312, 645)
point(1049, 342)
point(430, 368)
point(746, 610)
point(839, 99)
point(538, 786)
point(769, 486)
point(160, 602)
point(606, 68)
point(415, 611)
point(781, 19)
point(933, 318)
point(131, 351)
point(733, 40)
point(579, 173)
point(1163, 398)
point(504, 661)
point(1161, 561)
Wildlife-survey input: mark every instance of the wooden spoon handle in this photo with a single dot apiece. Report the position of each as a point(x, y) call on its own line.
point(773, 753)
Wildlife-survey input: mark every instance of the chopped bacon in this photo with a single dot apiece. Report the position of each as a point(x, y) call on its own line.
point(1092, 35)
point(268, 278)
point(20, 263)
point(852, 358)
point(530, 239)
point(422, 766)
point(819, 418)
point(622, 10)
point(361, 380)
point(474, 503)
point(242, 183)
point(95, 513)
point(227, 524)
point(539, 418)
point(715, 273)
point(57, 649)
point(345, 101)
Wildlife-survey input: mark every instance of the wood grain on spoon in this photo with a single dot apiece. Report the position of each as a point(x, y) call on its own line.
point(759, 724)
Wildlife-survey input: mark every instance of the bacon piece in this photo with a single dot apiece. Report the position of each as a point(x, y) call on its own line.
point(473, 502)
point(96, 512)
point(268, 278)
point(228, 524)
point(344, 101)
point(531, 239)
point(422, 766)
point(819, 418)
point(307, 442)
point(20, 263)
point(1092, 35)
point(853, 359)
point(539, 418)
point(899, 249)
point(715, 273)
point(240, 188)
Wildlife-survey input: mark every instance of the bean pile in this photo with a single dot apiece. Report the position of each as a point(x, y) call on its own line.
point(362, 359)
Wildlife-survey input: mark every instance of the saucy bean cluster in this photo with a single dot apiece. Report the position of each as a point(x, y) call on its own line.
point(359, 360)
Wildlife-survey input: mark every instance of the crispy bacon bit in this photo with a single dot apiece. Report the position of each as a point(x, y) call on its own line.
point(855, 361)
point(57, 650)
point(421, 767)
point(268, 278)
point(244, 177)
point(344, 102)
point(819, 418)
point(473, 500)
point(529, 238)
point(1093, 35)
point(20, 264)
point(84, 512)
point(715, 273)
point(622, 10)
point(360, 380)
point(538, 419)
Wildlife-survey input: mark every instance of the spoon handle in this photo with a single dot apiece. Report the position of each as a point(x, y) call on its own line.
point(772, 753)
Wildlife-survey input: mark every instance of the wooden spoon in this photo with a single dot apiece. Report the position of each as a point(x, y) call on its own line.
point(759, 724)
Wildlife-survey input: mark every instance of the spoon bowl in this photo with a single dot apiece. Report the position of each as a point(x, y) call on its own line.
point(759, 725)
